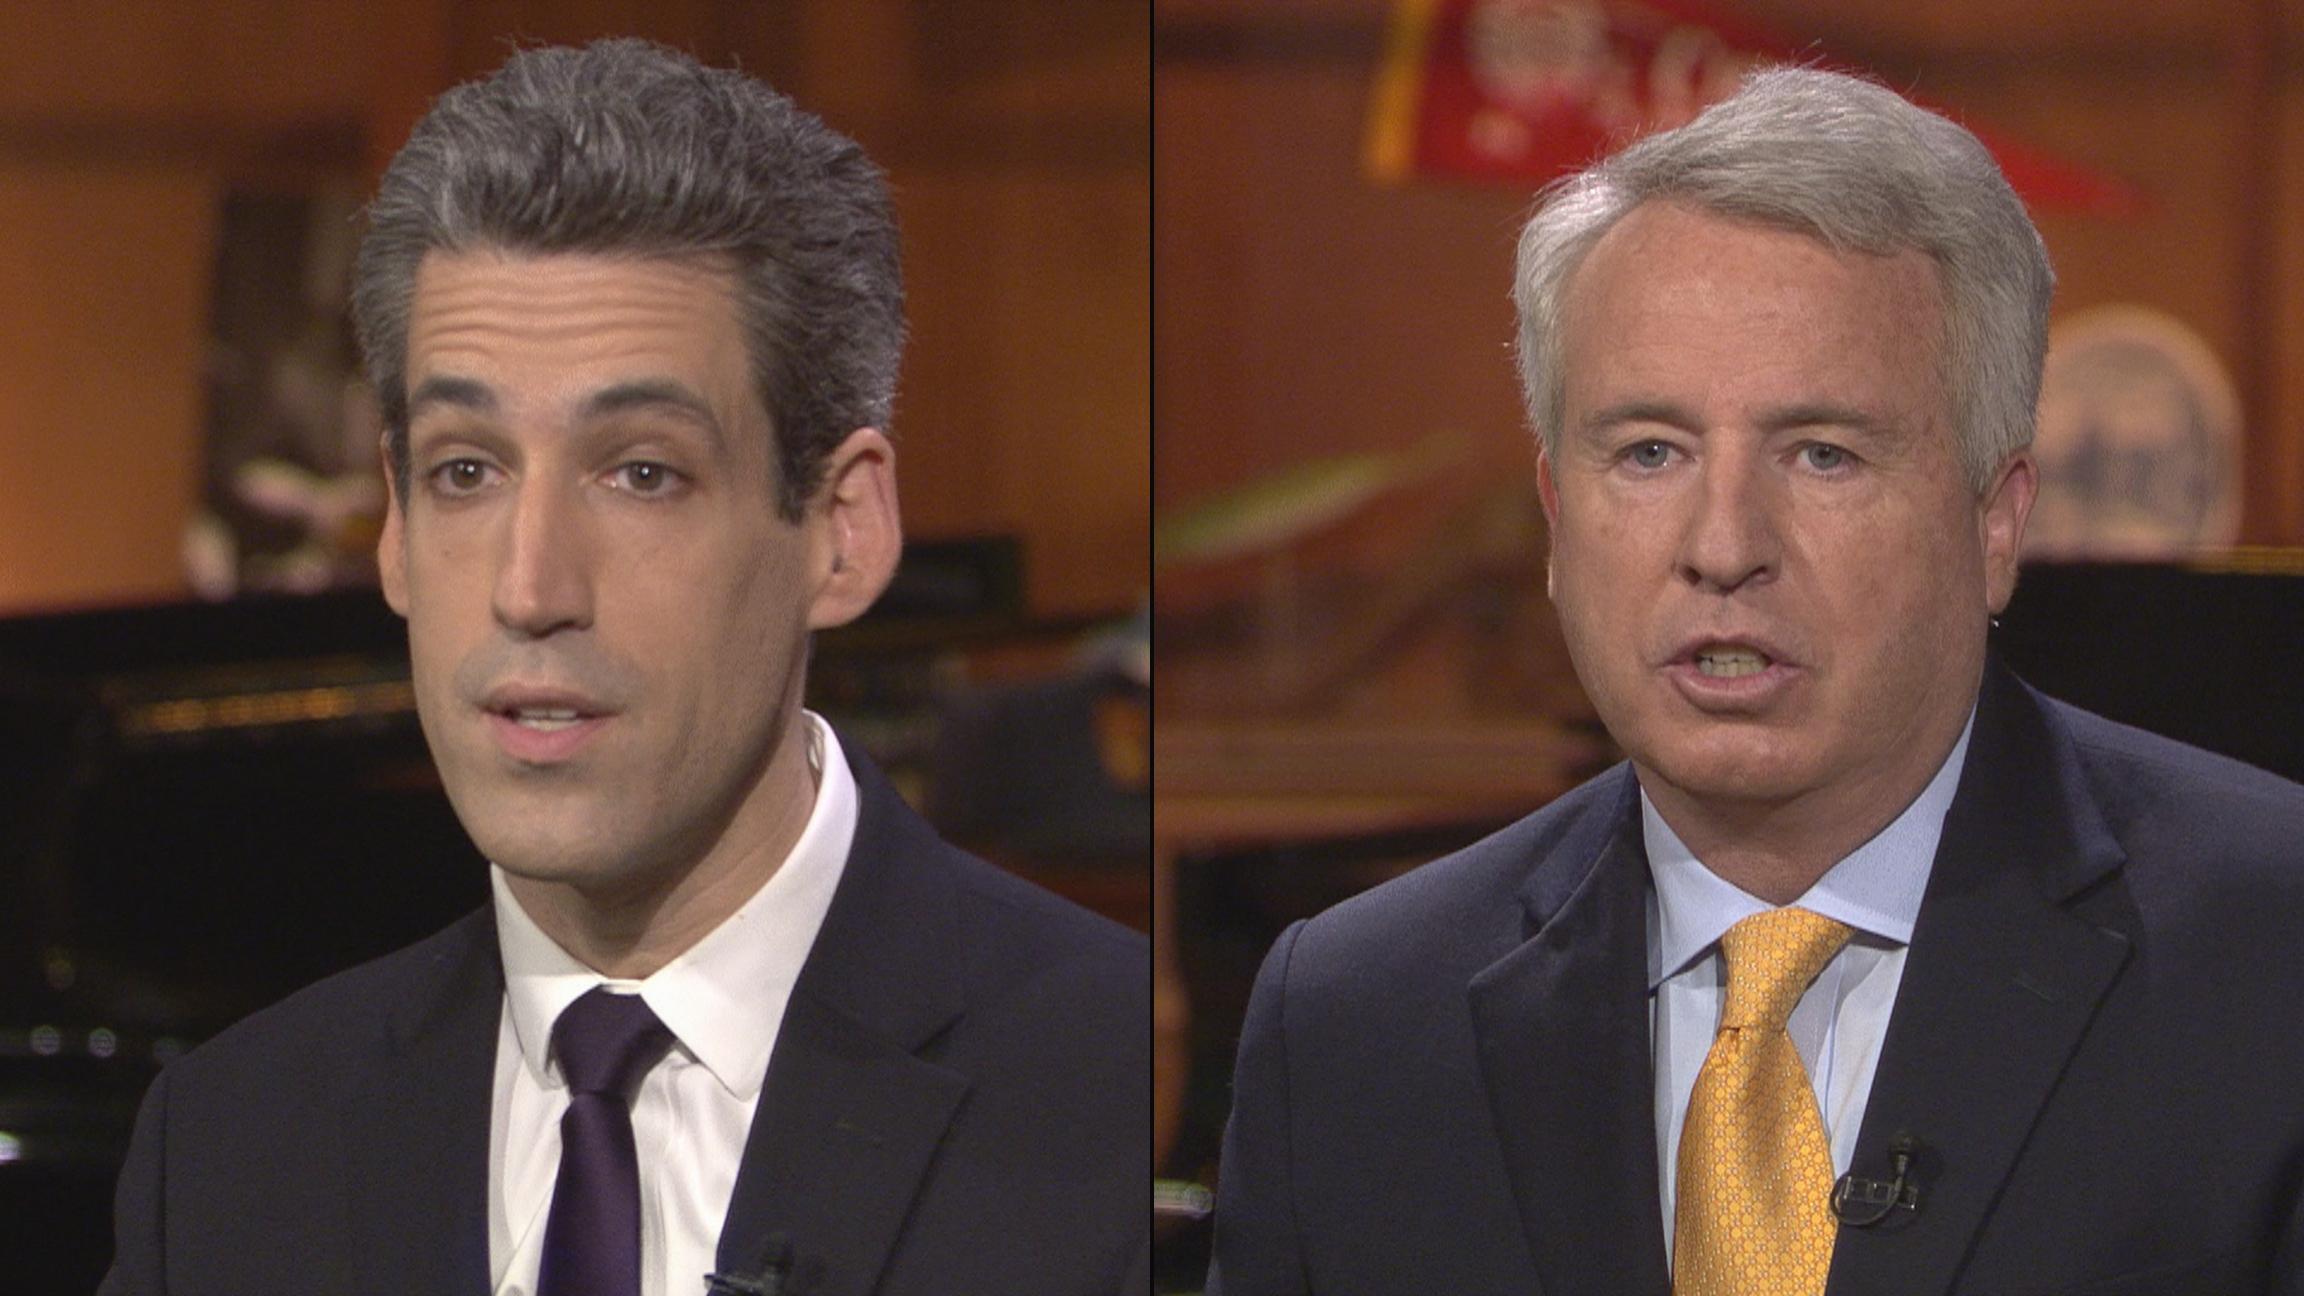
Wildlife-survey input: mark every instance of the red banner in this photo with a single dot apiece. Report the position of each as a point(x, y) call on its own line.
point(1521, 91)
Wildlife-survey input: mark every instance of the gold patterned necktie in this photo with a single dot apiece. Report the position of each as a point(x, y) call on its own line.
point(1753, 1216)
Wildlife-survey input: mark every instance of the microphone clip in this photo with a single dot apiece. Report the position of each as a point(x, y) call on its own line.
point(1862, 1203)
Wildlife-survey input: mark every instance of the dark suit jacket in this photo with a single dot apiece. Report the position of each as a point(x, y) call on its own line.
point(1445, 1085)
point(956, 1104)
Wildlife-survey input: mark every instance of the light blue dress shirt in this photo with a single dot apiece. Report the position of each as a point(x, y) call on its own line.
point(1839, 1024)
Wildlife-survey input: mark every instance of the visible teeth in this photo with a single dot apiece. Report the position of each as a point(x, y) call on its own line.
point(1729, 663)
point(545, 717)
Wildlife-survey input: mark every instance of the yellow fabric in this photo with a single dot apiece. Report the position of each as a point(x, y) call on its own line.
point(1753, 1214)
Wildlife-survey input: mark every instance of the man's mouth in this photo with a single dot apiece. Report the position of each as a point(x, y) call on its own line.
point(544, 728)
point(543, 708)
point(1730, 662)
point(544, 719)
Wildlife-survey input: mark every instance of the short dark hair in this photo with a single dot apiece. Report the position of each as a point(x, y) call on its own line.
point(627, 147)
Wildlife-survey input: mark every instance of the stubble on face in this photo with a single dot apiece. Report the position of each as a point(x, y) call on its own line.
point(1771, 570)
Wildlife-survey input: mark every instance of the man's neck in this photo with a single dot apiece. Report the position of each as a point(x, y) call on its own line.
point(1777, 870)
point(630, 932)
point(1778, 849)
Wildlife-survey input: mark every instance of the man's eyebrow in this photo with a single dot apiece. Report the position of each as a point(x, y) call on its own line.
point(1826, 414)
point(1783, 418)
point(463, 393)
point(1637, 411)
point(657, 394)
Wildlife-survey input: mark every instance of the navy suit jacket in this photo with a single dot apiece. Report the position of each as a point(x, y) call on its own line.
point(1445, 1084)
point(956, 1104)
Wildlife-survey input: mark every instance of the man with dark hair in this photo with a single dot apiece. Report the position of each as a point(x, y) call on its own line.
point(1871, 970)
point(735, 1020)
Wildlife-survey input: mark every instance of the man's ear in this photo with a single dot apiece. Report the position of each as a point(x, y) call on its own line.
point(391, 542)
point(1548, 493)
point(2000, 523)
point(1547, 490)
point(856, 535)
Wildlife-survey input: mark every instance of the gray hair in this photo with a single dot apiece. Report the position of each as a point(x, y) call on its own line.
point(1857, 167)
point(624, 147)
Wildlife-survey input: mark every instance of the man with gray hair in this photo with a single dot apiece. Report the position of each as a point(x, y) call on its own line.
point(1871, 970)
point(736, 1021)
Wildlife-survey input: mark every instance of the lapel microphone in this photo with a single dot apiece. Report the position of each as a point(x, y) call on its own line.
point(1861, 1203)
point(766, 1279)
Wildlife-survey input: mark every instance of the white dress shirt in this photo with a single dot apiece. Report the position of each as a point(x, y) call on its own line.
point(723, 1000)
point(1840, 1022)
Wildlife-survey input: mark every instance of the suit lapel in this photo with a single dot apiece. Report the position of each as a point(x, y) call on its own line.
point(418, 1133)
point(851, 1115)
point(1562, 1029)
point(1998, 990)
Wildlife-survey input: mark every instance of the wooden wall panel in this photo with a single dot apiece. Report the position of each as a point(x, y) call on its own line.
point(1884, 29)
point(241, 60)
point(1017, 138)
point(1301, 310)
point(1074, 258)
point(2282, 456)
point(1891, 30)
point(485, 32)
point(103, 333)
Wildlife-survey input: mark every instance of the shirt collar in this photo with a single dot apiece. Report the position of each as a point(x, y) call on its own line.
point(1875, 889)
point(723, 998)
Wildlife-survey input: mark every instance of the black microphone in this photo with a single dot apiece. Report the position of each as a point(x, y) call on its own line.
point(767, 1278)
point(1862, 1203)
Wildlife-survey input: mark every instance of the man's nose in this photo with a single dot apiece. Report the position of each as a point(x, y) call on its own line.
point(1730, 540)
point(543, 574)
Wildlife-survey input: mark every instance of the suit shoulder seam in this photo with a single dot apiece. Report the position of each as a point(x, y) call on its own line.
point(1287, 950)
point(2163, 763)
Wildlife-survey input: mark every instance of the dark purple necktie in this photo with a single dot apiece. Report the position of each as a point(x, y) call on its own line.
point(605, 1042)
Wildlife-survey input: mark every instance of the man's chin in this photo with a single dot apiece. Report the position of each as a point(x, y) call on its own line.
point(583, 861)
point(1753, 774)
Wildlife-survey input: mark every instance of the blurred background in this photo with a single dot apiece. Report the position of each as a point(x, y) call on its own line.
point(212, 787)
point(1358, 667)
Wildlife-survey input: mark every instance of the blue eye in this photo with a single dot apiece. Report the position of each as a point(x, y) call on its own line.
point(1649, 454)
point(1823, 457)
